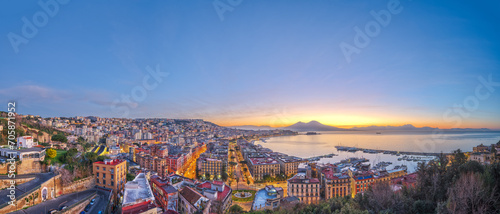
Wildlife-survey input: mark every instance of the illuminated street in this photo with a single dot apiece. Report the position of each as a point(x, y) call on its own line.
point(190, 171)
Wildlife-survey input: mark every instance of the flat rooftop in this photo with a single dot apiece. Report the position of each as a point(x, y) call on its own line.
point(137, 191)
point(263, 161)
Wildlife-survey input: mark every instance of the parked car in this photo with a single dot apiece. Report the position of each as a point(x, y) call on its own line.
point(83, 212)
point(87, 208)
point(63, 207)
point(92, 201)
point(52, 211)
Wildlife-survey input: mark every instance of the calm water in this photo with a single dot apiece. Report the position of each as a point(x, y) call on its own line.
point(306, 146)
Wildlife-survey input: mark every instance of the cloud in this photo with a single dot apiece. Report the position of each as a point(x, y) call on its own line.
point(34, 93)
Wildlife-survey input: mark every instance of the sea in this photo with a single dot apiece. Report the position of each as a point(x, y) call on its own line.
point(307, 146)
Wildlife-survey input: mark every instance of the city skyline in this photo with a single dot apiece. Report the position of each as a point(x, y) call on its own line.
point(287, 64)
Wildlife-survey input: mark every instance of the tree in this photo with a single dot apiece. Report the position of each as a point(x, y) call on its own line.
point(59, 137)
point(207, 175)
point(130, 177)
point(224, 174)
point(459, 157)
point(468, 195)
point(236, 209)
point(51, 153)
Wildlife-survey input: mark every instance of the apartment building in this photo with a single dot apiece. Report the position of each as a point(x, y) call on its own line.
point(260, 167)
point(305, 188)
point(191, 201)
point(111, 174)
point(290, 164)
point(219, 193)
point(335, 184)
point(165, 194)
point(360, 181)
point(213, 167)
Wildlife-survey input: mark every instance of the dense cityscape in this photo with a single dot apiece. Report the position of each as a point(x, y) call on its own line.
point(110, 165)
point(250, 107)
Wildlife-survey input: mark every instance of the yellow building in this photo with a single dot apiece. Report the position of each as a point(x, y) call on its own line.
point(111, 174)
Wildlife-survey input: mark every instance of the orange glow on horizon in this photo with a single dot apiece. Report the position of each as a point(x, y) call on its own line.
point(360, 124)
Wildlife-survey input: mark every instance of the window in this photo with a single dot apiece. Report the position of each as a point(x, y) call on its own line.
point(112, 177)
point(103, 175)
point(112, 183)
point(97, 168)
point(97, 174)
point(104, 182)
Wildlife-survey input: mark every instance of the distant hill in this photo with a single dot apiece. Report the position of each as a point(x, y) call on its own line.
point(407, 127)
point(249, 127)
point(317, 126)
point(312, 126)
point(410, 127)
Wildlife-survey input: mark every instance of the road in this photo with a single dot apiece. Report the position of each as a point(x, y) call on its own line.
point(68, 200)
point(190, 171)
point(26, 187)
point(6, 177)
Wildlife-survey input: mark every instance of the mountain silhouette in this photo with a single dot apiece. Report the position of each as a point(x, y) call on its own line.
point(312, 126)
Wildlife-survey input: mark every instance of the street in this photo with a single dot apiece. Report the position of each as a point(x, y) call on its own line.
point(68, 200)
point(26, 187)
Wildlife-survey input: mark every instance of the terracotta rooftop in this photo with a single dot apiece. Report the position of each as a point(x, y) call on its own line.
point(190, 195)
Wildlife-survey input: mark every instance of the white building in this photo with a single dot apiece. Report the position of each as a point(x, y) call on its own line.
point(25, 142)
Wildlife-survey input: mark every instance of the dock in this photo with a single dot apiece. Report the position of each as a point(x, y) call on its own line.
point(392, 152)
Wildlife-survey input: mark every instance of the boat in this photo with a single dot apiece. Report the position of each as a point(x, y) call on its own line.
point(379, 133)
point(312, 133)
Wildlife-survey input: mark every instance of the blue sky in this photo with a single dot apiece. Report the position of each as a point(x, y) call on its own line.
point(266, 63)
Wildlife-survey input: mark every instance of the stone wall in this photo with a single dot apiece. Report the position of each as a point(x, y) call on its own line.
point(80, 185)
point(49, 188)
point(29, 166)
point(4, 183)
point(26, 166)
point(4, 168)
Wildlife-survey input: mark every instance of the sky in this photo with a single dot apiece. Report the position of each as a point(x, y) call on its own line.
point(241, 62)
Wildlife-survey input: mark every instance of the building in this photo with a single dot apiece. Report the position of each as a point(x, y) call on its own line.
point(219, 193)
point(166, 195)
point(335, 184)
point(131, 153)
point(175, 163)
point(270, 198)
point(360, 181)
point(481, 148)
point(290, 164)
point(138, 197)
point(482, 157)
point(26, 142)
point(191, 201)
point(111, 174)
point(35, 153)
point(305, 188)
point(213, 167)
point(409, 180)
point(260, 167)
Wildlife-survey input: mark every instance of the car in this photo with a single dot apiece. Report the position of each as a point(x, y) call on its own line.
point(52, 211)
point(100, 212)
point(92, 202)
point(87, 208)
point(83, 212)
point(63, 207)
